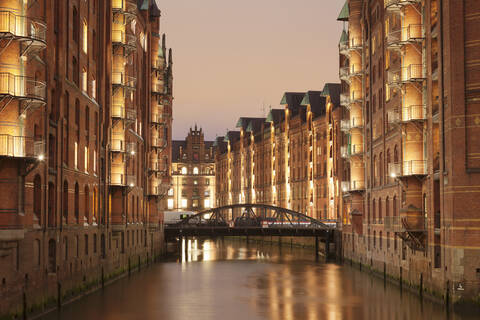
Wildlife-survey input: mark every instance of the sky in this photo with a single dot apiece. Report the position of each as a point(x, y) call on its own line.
point(237, 58)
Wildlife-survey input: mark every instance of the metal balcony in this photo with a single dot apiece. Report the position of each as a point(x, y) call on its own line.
point(343, 48)
point(31, 31)
point(118, 145)
point(413, 73)
point(410, 34)
point(345, 99)
point(131, 148)
point(344, 152)
point(125, 7)
point(120, 79)
point(355, 44)
point(21, 147)
point(159, 143)
point(414, 113)
point(356, 123)
point(122, 180)
point(121, 40)
point(396, 5)
point(158, 88)
point(345, 125)
point(344, 73)
point(356, 150)
point(407, 168)
point(23, 88)
point(158, 65)
point(355, 71)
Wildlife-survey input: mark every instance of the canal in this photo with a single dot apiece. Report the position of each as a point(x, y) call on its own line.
point(230, 279)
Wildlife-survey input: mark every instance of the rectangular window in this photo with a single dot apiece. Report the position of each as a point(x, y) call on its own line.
point(184, 203)
point(170, 203)
point(75, 156)
point(85, 36)
point(84, 80)
point(86, 159)
point(94, 89)
point(207, 203)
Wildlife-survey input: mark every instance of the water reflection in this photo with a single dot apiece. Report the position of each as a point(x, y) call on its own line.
point(221, 279)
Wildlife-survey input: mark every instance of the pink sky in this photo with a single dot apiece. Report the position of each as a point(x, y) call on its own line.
point(235, 58)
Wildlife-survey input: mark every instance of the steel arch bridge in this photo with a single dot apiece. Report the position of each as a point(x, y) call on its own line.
point(255, 220)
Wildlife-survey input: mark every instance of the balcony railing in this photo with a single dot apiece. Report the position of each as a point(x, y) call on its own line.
point(397, 4)
point(158, 88)
point(22, 27)
point(414, 112)
point(344, 152)
point(22, 87)
point(411, 73)
point(343, 47)
point(356, 149)
point(345, 125)
point(118, 111)
point(131, 148)
point(356, 122)
point(158, 64)
point(355, 44)
point(118, 145)
point(159, 143)
point(121, 79)
point(20, 147)
point(124, 6)
point(344, 72)
point(355, 70)
point(409, 168)
point(409, 34)
point(357, 185)
point(345, 99)
point(122, 38)
point(122, 180)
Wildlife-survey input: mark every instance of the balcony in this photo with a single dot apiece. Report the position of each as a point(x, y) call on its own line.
point(396, 5)
point(409, 168)
point(131, 148)
point(21, 87)
point(23, 29)
point(343, 47)
point(159, 143)
point(125, 7)
point(355, 44)
point(21, 147)
point(120, 112)
point(410, 34)
point(344, 73)
point(356, 123)
point(122, 180)
point(120, 38)
point(345, 125)
point(120, 79)
point(158, 88)
point(411, 74)
point(353, 186)
point(118, 145)
point(345, 99)
point(158, 65)
point(355, 71)
point(414, 113)
point(344, 152)
point(356, 149)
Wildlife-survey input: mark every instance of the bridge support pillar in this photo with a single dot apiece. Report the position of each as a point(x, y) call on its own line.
point(327, 245)
point(316, 247)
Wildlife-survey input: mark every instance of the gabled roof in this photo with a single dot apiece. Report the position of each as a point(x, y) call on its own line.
point(143, 4)
point(255, 125)
point(344, 13)
point(232, 136)
point(317, 102)
point(243, 122)
point(333, 91)
point(293, 101)
point(276, 116)
point(154, 11)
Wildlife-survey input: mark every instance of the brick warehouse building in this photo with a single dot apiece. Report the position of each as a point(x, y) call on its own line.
point(193, 173)
point(287, 159)
point(85, 144)
point(410, 92)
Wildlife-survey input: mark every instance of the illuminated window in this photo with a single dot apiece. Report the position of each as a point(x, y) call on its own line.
point(195, 170)
point(94, 160)
point(170, 203)
point(86, 159)
point(85, 36)
point(207, 203)
point(170, 192)
point(84, 79)
point(75, 156)
point(184, 170)
point(94, 88)
point(195, 182)
point(184, 203)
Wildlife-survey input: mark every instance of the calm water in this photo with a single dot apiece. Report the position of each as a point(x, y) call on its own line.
point(233, 280)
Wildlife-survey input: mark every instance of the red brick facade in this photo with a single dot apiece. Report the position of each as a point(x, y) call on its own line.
point(85, 139)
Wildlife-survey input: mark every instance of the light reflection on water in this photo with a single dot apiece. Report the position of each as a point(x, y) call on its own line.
point(233, 280)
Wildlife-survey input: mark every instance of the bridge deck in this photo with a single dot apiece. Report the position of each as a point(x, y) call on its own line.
point(179, 231)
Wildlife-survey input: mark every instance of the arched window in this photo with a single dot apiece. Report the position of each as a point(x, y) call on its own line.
point(37, 199)
point(36, 252)
point(389, 159)
point(374, 214)
point(87, 205)
point(85, 36)
point(84, 80)
point(51, 204)
point(77, 202)
point(381, 168)
point(184, 170)
point(94, 205)
point(380, 213)
point(195, 170)
point(395, 155)
point(65, 201)
point(387, 207)
point(65, 248)
point(375, 170)
point(394, 209)
point(76, 25)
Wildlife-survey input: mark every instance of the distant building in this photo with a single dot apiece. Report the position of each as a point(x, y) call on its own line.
point(193, 166)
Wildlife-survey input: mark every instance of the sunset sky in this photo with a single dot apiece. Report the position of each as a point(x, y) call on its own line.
point(236, 58)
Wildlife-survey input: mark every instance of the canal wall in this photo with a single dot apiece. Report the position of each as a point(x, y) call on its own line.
point(32, 288)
